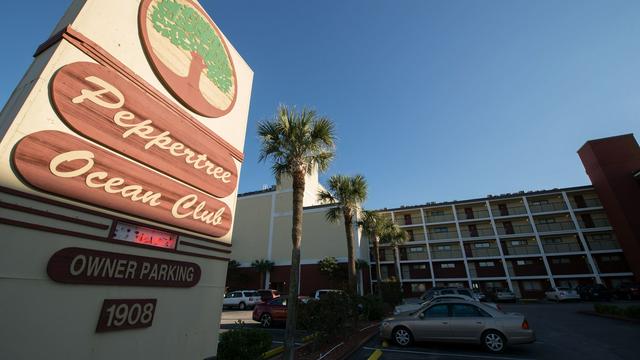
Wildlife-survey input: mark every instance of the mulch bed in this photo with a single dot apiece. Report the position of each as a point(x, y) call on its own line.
point(339, 349)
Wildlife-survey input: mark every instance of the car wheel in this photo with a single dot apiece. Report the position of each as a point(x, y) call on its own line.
point(242, 306)
point(402, 336)
point(265, 320)
point(493, 341)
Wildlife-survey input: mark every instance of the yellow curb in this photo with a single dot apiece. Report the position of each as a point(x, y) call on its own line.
point(375, 355)
point(273, 352)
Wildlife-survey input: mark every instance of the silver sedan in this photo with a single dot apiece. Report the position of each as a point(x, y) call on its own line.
point(459, 321)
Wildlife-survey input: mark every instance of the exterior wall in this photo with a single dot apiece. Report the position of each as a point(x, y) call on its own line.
point(611, 164)
point(252, 226)
point(526, 242)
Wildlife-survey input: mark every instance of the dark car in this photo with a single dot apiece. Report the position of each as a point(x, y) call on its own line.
point(594, 292)
point(268, 294)
point(273, 311)
point(627, 291)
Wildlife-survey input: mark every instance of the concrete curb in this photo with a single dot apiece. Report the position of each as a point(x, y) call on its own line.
point(375, 355)
point(279, 349)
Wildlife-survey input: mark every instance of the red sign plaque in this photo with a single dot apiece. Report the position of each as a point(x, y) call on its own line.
point(103, 105)
point(123, 314)
point(95, 267)
point(66, 165)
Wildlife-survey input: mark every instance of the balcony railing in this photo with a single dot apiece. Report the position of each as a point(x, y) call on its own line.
point(557, 226)
point(516, 229)
point(446, 254)
point(509, 211)
point(443, 235)
point(476, 233)
point(483, 252)
point(595, 223)
point(476, 214)
point(603, 244)
point(440, 218)
point(521, 250)
point(587, 203)
point(551, 206)
point(561, 248)
point(413, 220)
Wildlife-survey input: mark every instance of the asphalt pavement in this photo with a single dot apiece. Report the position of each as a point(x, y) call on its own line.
point(562, 333)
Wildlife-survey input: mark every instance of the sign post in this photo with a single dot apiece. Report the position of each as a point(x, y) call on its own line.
point(120, 157)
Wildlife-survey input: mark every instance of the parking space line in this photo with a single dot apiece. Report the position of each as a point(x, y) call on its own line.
point(447, 354)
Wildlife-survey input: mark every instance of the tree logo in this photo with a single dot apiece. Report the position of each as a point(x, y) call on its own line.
point(189, 55)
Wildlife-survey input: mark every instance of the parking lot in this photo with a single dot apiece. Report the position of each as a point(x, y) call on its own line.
point(230, 317)
point(562, 333)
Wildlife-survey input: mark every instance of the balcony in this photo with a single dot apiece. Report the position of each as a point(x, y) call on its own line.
point(514, 229)
point(439, 217)
point(408, 219)
point(508, 211)
point(443, 235)
point(540, 207)
point(594, 223)
point(473, 233)
point(451, 251)
point(561, 244)
point(602, 241)
point(555, 226)
point(520, 247)
point(472, 214)
point(413, 253)
point(586, 203)
point(473, 252)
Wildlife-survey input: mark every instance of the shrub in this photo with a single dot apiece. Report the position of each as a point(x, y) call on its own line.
point(629, 311)
point(391, 292)
point(372, 308)
point(328, 317)
point(243, 343)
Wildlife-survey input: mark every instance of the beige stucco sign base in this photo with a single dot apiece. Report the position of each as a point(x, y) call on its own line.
point(120, 149)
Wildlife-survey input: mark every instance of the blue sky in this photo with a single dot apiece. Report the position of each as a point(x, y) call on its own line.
point(432, 100)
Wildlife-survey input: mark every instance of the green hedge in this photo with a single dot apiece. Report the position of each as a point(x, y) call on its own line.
point(243, 343)
point(628, 311)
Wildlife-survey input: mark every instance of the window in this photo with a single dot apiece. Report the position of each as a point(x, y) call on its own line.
point(482, 245)
point(448, 266)
point(416, 249)
point(524, 262)
point(539, 202)
point(407, 219)
point(437, 213)
point(442, 229)
point(441, 310)
point(561, 261)
point(419, 266)
point(532, 285)
point(443, 247)
point(279, 301)
point(417, 288)
point(611, 258)
point(447, 292)
point(516, 242)
point(547, 221)
point(464, 310)
point(486, 264)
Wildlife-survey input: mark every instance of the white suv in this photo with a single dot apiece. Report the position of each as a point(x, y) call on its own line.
point(241, 299)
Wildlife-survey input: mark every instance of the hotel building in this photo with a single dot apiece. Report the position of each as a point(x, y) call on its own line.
point(526, 241)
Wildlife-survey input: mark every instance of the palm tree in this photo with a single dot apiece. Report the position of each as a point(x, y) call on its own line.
point(263, 267)
point(395, 236)
point(374, 225)
point(297, 143)
point(348, 192)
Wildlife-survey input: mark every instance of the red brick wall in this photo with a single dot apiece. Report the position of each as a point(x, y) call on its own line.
point(457, 272)
point(610, 163)
point(537, 268)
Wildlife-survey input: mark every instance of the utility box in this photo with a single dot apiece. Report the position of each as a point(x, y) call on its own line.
point(119, 166)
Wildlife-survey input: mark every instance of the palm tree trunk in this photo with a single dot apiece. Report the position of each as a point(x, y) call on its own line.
point(396, 263)
point(348, 226)
point(294, 272)
point(376, 253)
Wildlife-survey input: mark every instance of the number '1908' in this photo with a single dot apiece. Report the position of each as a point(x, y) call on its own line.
point(121, 314)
